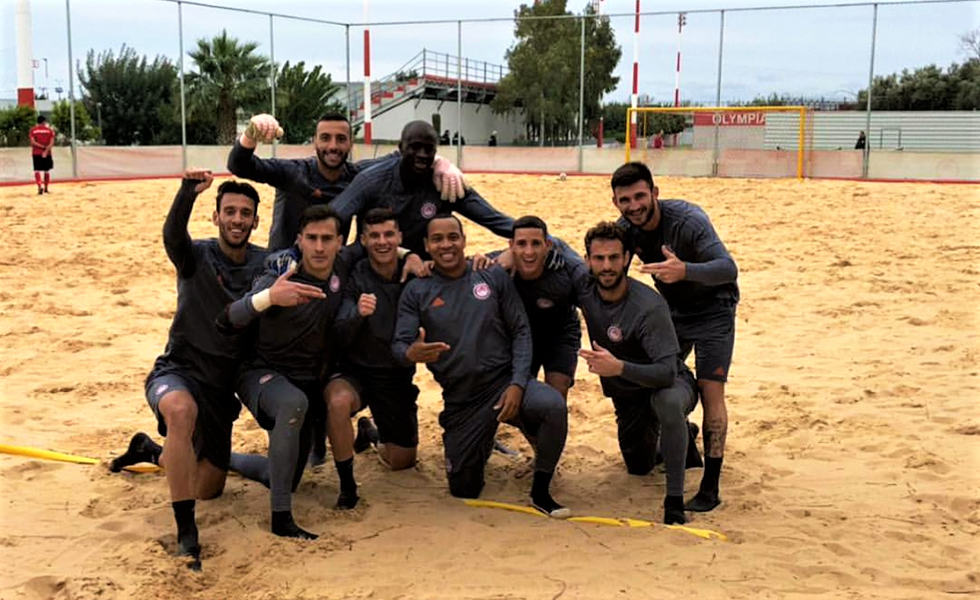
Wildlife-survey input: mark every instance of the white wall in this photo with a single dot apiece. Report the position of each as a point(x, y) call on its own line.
point(478, 121)
point(151, 161)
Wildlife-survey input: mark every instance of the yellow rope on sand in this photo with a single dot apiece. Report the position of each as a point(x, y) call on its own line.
point(706, 534)
point(69, 458)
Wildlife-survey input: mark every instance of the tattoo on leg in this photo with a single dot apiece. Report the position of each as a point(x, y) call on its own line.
point(715, 432)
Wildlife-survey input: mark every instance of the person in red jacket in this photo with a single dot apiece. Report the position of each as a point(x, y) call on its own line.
point(42, 140)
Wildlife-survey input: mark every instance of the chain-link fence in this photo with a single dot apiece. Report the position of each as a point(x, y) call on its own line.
point(449, 70)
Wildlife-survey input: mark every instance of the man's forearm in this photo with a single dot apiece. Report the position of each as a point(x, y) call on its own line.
point(714, 272)
point(656, 375)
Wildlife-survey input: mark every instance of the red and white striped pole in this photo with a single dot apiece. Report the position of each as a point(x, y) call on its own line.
point(25, 54)
point(681, 22)
point(636, 75)
point(367, 77)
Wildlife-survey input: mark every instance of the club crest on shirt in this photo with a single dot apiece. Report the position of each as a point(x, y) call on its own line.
point(481, 291)
point(545, 303)
point(428, 210)
point(334, 283)
point(614, 333)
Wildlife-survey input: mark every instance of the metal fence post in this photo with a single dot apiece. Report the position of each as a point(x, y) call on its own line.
point(350, 108)
point(71, 93)
point(272, 69)
point(183, 101)
point(581, 99)
point(459, 92)
point(866, 158)
point(721, 46)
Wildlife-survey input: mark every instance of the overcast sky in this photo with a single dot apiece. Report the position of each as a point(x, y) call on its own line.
point(810, 52)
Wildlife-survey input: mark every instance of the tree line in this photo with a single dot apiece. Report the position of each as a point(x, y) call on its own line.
point(128, 99)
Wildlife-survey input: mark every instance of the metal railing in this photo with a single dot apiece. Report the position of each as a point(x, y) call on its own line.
point(428, 68)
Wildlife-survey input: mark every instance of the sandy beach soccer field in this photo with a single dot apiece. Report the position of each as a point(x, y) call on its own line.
point(853, 445)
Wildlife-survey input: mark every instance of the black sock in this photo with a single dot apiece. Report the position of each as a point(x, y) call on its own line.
point(712, 473)
point(541, 494)
point(674, 510)
point(141, 449)
point(345, 469)
point(284, 526)
point(348, 487)
point(187, 544)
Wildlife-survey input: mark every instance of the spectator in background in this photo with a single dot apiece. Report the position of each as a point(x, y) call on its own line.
point(42, 140)
point(658, 140)
point(444, 140)
point(862, 142)
point(492, 142)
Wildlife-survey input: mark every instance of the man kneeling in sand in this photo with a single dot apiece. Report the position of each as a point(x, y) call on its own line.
point(190, 387)
point(471, 330)
point(635, 354)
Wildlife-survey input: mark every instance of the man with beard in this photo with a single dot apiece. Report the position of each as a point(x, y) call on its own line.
point(471, 330)
point(190, 387)
point(303, 182)
point(283, 378)
point(368, 374)
point(635, 353)
point(696, 275)
point(405, 186)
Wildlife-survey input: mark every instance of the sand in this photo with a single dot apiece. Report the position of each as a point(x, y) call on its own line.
point(853, 446)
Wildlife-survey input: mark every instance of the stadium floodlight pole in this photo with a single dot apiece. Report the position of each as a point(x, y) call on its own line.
point(459, 92)
point(636, 75)
point(367, 78)
point(721, 54)
point(581, 100)
point(272, 75)
point(866, 159)
point(183, 101)
point(71, 92)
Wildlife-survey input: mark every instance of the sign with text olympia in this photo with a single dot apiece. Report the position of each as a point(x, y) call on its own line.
point(730, 119)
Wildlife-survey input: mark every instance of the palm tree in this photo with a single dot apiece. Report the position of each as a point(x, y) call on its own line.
point(301, 97)
point(229, 77)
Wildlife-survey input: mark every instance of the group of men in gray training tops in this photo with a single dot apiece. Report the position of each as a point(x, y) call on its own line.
point(312, 331)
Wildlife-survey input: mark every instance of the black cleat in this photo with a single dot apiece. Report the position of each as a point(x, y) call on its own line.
point(283, 525)
point(499, 446)
point(188, 546)
point(703, 502)
point(347, 500)
point(367, 435)
point(141, 449)
point(547, 506)
point(674, 510)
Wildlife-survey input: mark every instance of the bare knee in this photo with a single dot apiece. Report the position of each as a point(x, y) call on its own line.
point(398, 457)
point(179, 412)
point(210, 480)
point(341, 399)
point(712, 395)
point(559, 381)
